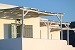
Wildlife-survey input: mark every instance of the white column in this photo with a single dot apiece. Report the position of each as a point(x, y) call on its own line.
point(68, 35)
point(61, 27)
point(60, 19)
point(23, 15)
point(22, 23)
point(48, 30)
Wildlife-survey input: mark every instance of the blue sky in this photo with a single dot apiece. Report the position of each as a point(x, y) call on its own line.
point(63, 6)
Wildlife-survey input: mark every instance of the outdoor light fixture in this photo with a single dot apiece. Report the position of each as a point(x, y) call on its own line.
point(18, 22)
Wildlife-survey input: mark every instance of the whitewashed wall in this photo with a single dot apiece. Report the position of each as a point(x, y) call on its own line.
point(35, 21)
point(52, 35)
point(4, 24)
point(55, 35)
point(43, 32)
point(34, 44)
point(4, 28)
point(45, 44)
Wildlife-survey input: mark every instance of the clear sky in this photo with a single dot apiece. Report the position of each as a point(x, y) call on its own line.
point(63, 6)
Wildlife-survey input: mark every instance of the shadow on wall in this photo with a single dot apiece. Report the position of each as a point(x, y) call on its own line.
point(71, 37)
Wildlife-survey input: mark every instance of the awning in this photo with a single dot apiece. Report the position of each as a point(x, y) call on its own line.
point(32, 12)
point(6, 6)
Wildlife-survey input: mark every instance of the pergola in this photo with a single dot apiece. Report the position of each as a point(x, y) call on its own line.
point(32, 12)
point(51, 26)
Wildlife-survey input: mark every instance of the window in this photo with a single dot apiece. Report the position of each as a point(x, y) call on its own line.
point(28, 31)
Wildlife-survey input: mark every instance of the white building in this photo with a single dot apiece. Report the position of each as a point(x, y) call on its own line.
point(22, 28)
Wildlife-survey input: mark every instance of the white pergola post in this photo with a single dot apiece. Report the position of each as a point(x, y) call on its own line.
point(60, 19)
point(47, 29)
point(68, 34)
point(67, 26)
point(61, 28)
point(22, 23)
point(23, 15)
point(50, 30)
